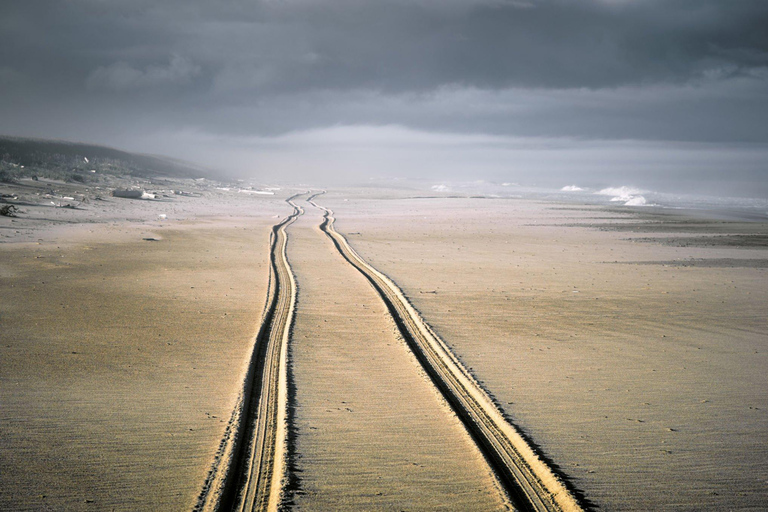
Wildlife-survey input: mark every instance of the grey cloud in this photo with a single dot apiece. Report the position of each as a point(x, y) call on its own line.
point(113, 72)
point(10, 77)
point(121, 76)
point(398, 46)
point(730, 110)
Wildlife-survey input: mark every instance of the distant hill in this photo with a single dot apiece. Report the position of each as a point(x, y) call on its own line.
point(71, 161)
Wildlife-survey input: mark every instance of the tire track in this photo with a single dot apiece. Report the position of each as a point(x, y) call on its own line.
point(249, 468)
point(528, 481)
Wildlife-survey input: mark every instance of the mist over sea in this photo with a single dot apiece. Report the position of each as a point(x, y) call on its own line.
point(727, 207)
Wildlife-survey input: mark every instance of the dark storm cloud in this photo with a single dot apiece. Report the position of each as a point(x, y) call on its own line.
point(115, 71)
point(391, 46)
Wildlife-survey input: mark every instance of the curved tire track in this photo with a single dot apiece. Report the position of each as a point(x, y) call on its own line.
point(526, 478)
point(249, 468)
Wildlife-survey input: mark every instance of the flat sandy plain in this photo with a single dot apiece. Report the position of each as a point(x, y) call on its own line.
point(639, 367)
point(120, 357)
point(633, 354)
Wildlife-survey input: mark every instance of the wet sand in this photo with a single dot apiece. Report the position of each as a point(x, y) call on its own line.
point(644, 382)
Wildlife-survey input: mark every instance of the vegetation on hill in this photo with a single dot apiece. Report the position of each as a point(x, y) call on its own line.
point(75, 162)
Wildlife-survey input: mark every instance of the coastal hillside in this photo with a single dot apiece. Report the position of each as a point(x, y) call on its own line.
point(76, 162)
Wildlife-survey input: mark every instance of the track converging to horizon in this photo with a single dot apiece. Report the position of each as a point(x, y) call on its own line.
point(250, 471)
point(249, 467)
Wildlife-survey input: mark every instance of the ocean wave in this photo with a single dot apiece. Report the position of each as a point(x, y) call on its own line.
point(630, 196)
point(636, 201)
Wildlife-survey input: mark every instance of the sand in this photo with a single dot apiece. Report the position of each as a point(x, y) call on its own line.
point(645, 382)
point(371, 431)
point(120, 357)
point(634, 356)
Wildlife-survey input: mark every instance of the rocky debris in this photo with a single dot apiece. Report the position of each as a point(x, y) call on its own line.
point(8, 210)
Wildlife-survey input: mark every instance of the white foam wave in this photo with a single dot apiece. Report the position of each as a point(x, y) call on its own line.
point(630, 196)
point(621, 193)
point(440, 188)
point(571, 188)
point(636, 201)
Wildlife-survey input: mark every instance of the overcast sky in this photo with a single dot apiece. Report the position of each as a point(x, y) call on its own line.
point(604, 91)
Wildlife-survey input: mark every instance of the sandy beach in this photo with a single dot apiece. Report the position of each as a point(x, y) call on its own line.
point(122, 356)
point(637, 367)
point(477, 255)
point(371, 431)
point(632, 355)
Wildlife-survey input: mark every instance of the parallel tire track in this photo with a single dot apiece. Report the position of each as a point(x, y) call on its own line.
point(528, 480)
point(249, 468)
